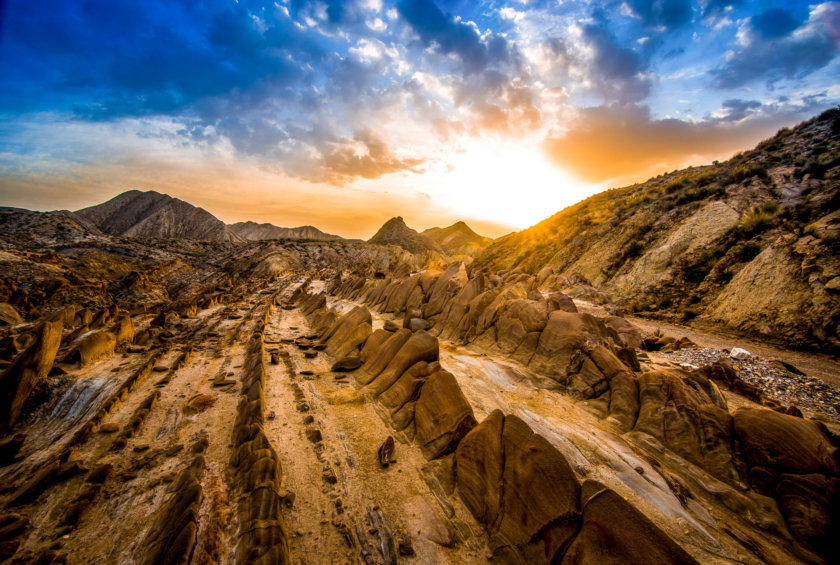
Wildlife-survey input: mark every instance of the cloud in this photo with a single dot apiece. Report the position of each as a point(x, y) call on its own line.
point(775, 22)
point(736, 109)
point(666, 14)
point(450, 36)
point(624, 144)
point(617, 72)
point(773, 47)
point(366, 156)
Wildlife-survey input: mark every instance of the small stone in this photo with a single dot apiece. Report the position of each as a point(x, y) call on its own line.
point(740, 354)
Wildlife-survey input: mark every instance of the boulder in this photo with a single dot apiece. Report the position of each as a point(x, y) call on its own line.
point(447, 286)
point(778, 444)
point(520, 487)
point(676, 410)
point(28, 369)
point(442, 415)
point(419, 347)
point(616, 533)
point(379, 359)
point(123, 330)
point(9, 315)
point(96, 346)
point(740, 354)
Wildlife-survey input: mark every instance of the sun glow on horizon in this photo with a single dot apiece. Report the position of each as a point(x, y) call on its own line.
point(506, 181)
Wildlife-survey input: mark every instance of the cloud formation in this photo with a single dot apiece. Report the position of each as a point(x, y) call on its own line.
point(341, 92)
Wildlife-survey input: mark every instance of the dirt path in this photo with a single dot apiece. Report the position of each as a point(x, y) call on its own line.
point(347, 508)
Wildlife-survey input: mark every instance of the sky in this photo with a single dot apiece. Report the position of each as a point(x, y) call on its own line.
point(342, 114)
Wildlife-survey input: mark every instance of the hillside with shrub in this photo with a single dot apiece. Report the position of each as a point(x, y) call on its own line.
point(751, 244)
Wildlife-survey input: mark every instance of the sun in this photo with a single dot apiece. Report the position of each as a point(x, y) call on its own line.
point(507, 181)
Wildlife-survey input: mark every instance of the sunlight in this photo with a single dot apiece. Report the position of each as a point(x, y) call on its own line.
point(510, 182)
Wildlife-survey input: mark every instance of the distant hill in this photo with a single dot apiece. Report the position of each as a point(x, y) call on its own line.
point(458, 238)
point(396, 232)
point(254, 232)
point(151, 214)
point(752, 243)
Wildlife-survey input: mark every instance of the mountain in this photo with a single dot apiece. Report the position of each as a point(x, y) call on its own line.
point(151, 214)
point(458, 238)
point(395, 232)
point(253, 231)
point(752, 243)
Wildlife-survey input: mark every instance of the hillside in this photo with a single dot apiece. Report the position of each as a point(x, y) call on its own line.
point(151, 214)
point(458, 238)
point(396, 232)
point(752, 244)
point(253, 231)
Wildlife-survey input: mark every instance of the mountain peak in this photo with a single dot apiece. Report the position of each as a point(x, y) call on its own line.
point(458, 238)
point(396, 232)
point(135, 213)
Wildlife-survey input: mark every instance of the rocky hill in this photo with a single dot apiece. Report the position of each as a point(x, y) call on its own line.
point(458, 239)
point(151, 214)
point(752, 244)
point(396, 232)
point(253, 231)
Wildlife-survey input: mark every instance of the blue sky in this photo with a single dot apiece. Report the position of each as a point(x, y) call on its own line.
point(341, 114)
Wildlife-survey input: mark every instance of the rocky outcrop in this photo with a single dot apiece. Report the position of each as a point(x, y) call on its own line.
point(28, 369)
point(535, 511)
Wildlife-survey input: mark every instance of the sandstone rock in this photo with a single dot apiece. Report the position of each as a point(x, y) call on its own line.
point(781, 444)
point(385, 453)
point(29, 367)
point(442, 415)
point(9, 315)
point(349, 363)
point(614, 532)
point(373, 344)
point(419, 347)
point(676, 410)
point(96, 346)
point(379, 359)
point(124, 330)
point(447, 285)
point(520, 487)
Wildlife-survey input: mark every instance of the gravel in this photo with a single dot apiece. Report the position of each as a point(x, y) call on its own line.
point(813, 396)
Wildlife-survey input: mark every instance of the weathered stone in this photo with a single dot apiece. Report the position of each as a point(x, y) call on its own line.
point(442, 415)
point(614, 532)
point(29, 367)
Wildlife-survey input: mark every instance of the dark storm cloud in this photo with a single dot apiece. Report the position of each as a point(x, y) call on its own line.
point(778, 48)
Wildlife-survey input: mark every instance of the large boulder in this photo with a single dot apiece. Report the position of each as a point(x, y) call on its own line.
point(446, 287)
point(775, 444)
point(676, 410)
point(95, 346)
point(614, 532)
point(520, 487)
point(378, 360)
point(123, 330)
point(442, 415)
point(9, 315)
point(29, 367)
point(419, 347)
